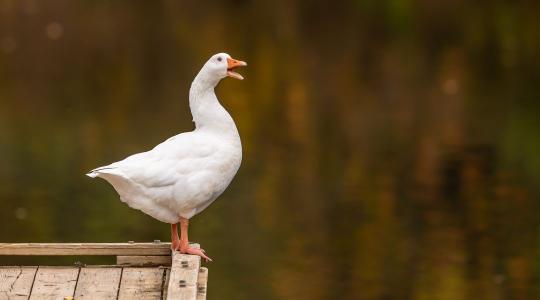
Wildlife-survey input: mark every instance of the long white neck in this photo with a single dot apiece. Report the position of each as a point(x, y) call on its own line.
point(208, 114)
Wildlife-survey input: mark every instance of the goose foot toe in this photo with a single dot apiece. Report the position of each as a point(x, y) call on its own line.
point(196, 251)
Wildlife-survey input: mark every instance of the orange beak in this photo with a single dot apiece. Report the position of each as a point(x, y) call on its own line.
point(233, 64)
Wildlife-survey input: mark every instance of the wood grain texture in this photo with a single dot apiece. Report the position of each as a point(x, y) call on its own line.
point(85, 249)
point(143, 260)
point(98, 283)
point(141, 283)
point(183, 280)
point(166, 282)
point(183, 277)
point(202, 283)
point(16, 282)
point(54, 283)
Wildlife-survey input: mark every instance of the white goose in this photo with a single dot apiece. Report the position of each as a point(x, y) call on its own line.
point(183, 175)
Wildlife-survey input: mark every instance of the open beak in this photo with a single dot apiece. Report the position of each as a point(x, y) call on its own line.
point(233, 64)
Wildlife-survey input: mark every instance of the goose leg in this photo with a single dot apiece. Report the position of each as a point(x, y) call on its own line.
point(175, 241)
point(184, 243)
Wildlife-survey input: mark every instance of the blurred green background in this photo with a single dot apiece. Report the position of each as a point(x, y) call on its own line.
point(391, 148)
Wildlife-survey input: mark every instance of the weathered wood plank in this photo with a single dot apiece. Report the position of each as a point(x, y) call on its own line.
point(166, 282)
point(16, 282)
point(141, 283)
point(143, 260)
point(98, 283)
point(54, 283)
point(85, 249)
point(202, 283)
point(183, 277)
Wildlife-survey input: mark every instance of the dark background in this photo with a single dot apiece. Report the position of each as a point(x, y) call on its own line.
point(391, 148)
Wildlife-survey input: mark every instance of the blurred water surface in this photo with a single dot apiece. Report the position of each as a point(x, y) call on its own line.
point(391, 148)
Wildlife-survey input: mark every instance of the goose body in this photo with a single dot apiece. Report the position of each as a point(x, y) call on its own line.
point(180, 177)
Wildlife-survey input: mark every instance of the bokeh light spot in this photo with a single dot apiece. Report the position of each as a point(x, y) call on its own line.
point(21, 213)
point(54, 30)
point(450, 86)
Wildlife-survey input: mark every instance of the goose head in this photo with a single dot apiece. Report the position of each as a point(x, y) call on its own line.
point(222, 65)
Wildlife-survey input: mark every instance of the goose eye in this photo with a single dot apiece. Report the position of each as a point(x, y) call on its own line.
point(219, 58)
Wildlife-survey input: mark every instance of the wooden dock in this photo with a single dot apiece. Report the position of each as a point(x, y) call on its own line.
point(142, 271)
